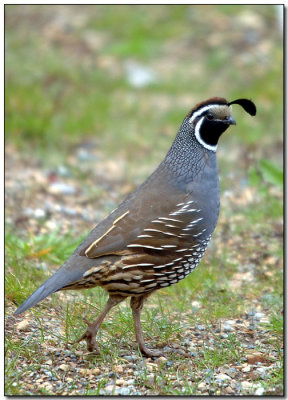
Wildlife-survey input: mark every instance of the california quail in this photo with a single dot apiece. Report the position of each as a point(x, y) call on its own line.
point(159, 233)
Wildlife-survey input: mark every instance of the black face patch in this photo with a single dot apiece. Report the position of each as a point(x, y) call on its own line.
point(211, 130)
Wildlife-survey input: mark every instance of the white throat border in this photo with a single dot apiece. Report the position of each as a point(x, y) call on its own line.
point(198, 126)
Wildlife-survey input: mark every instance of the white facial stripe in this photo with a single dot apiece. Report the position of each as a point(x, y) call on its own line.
point(198, 137)
point(200, 111)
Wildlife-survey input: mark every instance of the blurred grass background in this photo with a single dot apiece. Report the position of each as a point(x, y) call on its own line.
point(120, 79)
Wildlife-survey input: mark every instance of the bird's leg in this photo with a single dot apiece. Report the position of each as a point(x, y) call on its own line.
point(91, 332)
point(136, 305)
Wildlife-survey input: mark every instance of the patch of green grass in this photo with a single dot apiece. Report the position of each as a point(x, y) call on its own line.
point(27, 260)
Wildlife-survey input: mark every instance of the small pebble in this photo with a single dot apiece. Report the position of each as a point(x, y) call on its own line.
point(246, 384)
point(229, 390)
point(120, 382)
point(161, 360)
point(202, 386)
point(259, 315)
point(71, 212)
point(39, 213)
point(63, 171)
point(109, 388)
point(118, 369)
point(200, 327)
point(261, 372)
point(64, 367)
point(223, 377)
point(125, 391)
point(130, 358)
point(23, 325)
point(232, 372)
point(61, 188)
point(260, 391)
point(230, 322)
point(227, 328)
point(96, 371)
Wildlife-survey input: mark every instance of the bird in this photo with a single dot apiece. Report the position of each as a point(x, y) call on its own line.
point(159, 233)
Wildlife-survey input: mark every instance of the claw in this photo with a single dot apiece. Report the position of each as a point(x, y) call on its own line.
point(84, 336)
point(90, 338)
point(150, 353)
point(86, 321)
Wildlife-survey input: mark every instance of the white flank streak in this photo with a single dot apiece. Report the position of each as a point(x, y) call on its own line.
point(144, 236)
point(170, 219)
point(144, 246)
point(152, 230)
point(156, 230)
point(138, 265)
point(167, 246)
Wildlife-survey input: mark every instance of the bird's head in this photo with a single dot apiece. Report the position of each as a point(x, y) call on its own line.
point(212, 117)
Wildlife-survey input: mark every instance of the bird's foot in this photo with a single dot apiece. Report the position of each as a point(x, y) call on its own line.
point(90, 337)
point(150, 353)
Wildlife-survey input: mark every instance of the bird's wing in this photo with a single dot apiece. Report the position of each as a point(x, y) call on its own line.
point(152, 223)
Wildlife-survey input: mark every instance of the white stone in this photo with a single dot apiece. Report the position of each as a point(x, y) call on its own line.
point(223, 377)
point(259, 392)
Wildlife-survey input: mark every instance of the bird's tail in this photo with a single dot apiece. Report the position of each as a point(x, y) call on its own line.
point(71, 271)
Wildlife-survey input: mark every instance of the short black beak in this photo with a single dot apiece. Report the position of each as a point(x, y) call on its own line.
point(229, 121)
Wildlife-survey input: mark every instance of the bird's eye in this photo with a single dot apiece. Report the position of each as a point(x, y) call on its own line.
point(210, 116)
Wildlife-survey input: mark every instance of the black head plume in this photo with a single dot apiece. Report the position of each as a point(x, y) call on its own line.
point(248, 105)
